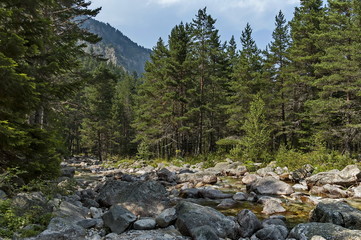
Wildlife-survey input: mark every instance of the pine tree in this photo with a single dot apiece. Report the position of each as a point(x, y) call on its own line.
point(304, 54)
point(275, 70)
point(210, 72)
point(40, 49)
point(337, 110)
point(246, 80)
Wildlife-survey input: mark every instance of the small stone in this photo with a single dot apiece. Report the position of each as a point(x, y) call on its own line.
point(166, 218)
point(272, 206)
point(240, 196)
point(144, 224)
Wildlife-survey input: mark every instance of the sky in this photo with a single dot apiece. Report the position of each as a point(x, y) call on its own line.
point(145, 21)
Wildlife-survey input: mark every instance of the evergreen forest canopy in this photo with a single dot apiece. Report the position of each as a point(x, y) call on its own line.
point(197, 97)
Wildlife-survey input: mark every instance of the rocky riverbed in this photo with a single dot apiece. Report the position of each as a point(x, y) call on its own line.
point(141, 202)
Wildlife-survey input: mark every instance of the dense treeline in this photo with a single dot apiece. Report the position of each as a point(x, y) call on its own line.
point(302, 92)
point(197, 95)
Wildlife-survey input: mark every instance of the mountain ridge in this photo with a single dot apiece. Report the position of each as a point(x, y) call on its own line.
point(116, 47)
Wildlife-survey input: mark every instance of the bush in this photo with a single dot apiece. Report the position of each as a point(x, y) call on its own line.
point(321, 158)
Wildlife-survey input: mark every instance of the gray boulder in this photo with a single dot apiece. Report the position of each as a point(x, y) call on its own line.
point(165, 175)
point(118, 218)
point(60, 229)
point(350, 175)
point(144, 224)
point(329, 231)
point(204, 233)
point(271, 186)
point(248, 223)
point(169, 233)
point(272, 232)
point(240, 196)
point(191, 216)
point(147, 199)
point(166, 218)
point(338, 213)
point(227, 203)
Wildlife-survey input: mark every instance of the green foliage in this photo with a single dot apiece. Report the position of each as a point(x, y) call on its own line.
point(253, 146)
point(322, 159)
point(143, 151)
point(12, 221)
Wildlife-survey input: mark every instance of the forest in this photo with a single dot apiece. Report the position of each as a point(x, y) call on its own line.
point(298, 100)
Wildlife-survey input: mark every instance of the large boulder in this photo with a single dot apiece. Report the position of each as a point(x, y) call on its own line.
point(329, 231)
point(118, 219)
point(248, 223)
point(147, 199)
point(59, 229)
point(350, 175)
point(192, 216)
point(270, 186)
point(338, 213)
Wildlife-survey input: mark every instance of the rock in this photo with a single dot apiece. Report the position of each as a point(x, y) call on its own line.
point(329, 231)
point(248, 223)
point(204, 233)
point(272, 232)
point(69, 211)
point(300, 187)
point(96, 212)
point(209, 179)
point(357, 192)
point(88, 223)
point(347, 177)
point(271, 186)
point(166, 218)
point(263, 172)
point(191, 216)
point(252, 197)
point(144, 224)
point(318, 238)
point(166, 175)
point(118, 218)
point(240, 196)
point(227, 203)
point(59, 229)
point(68, 172)
point(214, 194)
point(190, 193)
point(147, 199)
point(273, 221)
point(250, 178)
point(169, 233)
point(272, 206)
point(332, 191)
point(302, 173)
point(338, 213)
point(34, 200)
point(194, 177)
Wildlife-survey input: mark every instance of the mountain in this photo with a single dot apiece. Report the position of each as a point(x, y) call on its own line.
point(117, 47)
